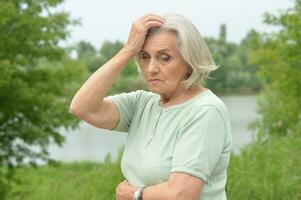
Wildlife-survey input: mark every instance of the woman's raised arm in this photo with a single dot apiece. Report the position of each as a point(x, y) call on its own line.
point(89, 103)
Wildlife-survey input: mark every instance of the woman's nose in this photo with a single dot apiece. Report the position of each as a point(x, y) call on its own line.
point(153, 66)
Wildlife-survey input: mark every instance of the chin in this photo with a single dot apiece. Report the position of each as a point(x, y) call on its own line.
point(154, 90)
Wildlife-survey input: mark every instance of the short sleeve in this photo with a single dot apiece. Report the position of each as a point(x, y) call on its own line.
point(126, 104)
point(199, 143)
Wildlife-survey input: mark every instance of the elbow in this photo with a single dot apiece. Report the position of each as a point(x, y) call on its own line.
point(79, 110)
point(74, 110)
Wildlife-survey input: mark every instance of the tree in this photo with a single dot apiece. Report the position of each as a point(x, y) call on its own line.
point(278, 56)
point(223, 53)
point(236, 73)
point(128, 79)
point(87, 53)
point(85, 49)
point(109, 49)
point(36, 80)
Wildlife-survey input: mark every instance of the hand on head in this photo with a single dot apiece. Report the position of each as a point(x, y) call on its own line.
point(139, 30)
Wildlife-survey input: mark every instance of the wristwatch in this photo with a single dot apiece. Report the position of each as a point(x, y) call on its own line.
point(138, 193)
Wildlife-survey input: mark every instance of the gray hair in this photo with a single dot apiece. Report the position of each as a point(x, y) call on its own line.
point(190, 45)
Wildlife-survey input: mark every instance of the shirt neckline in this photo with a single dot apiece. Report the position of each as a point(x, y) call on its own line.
point(157, 101)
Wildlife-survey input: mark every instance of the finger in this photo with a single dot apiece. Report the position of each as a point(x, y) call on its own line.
point(151, 24)
point(148, 14)
point(151, 17)
point(145, 26)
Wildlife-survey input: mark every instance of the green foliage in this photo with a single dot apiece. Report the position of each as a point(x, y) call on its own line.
point(82, 180)
point(85, 49)
point(269, 170)
point(278, 56)
point(34, 104)
point(31, 29)
point(109, 49)
point(36, 82)
point(235, 74)
point(127, 81)
point(87, 53)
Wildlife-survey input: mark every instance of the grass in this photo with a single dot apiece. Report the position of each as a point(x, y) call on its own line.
point(74, 181)
point(266, 171)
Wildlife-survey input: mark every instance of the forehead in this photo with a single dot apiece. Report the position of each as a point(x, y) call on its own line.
point(160, 41)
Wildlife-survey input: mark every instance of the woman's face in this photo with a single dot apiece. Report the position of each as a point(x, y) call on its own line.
point(162, 65)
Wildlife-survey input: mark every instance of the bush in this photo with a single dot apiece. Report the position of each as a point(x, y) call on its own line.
point(267, 170)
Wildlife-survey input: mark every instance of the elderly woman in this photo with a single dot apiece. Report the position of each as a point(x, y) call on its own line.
point(179, 136)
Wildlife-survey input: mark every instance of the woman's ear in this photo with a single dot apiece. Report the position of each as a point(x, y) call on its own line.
point(188, 74)
point(189, 71)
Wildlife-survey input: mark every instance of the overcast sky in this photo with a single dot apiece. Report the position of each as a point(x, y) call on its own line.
point(111, 19)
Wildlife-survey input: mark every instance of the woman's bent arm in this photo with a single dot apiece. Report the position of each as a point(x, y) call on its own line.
point(89, 104)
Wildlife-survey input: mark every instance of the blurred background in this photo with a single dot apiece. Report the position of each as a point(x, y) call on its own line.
point(48, 48)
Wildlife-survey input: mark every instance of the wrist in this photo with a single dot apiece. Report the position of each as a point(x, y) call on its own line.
point(129, 51)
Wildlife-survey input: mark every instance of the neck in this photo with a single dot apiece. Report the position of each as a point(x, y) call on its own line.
point(181, 96)
point(166, 98)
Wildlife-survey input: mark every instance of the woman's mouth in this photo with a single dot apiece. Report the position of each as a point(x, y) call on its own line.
point(154, 81)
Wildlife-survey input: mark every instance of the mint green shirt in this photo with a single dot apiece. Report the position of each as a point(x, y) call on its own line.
point(192, 137)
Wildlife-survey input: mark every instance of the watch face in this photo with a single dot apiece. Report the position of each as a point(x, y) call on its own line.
point(136, 195)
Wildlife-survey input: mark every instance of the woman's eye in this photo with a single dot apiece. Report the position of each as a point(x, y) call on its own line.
point(144, 56)
point(165, 58)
